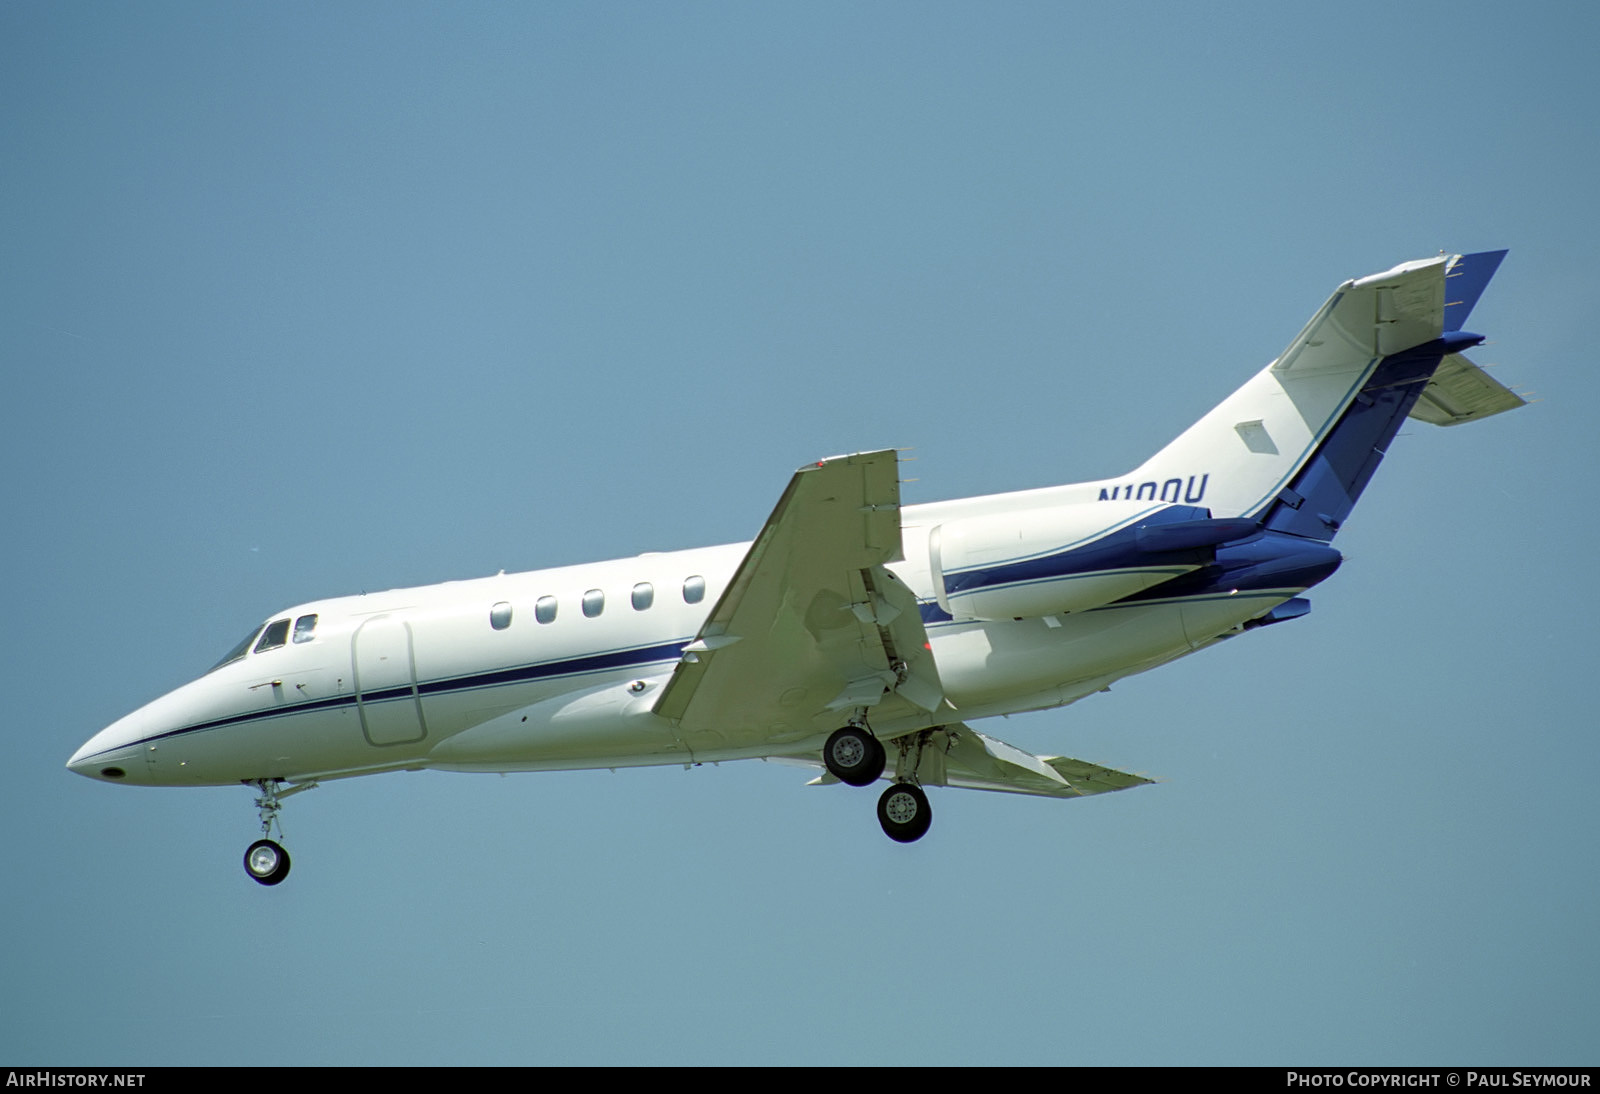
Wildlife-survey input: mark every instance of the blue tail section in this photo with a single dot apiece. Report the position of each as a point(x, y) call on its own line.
point(1319, 498)
point(1321, 495)
point(1294, 447)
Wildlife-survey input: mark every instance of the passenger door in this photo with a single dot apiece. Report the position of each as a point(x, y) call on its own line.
point(386, 682)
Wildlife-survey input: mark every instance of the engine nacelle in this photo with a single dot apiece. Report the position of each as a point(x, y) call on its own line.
point(1069, 558)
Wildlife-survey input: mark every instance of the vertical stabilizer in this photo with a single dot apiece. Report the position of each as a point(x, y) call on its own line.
point(1295, 446)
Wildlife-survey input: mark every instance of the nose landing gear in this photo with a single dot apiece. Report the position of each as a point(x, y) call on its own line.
point(266, 861)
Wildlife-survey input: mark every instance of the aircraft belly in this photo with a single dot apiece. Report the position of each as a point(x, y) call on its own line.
point(1205, 618)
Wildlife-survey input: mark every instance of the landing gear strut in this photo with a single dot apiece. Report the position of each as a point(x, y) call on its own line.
point(266, 861)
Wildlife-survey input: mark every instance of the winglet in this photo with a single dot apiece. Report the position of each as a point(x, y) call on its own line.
point(1464, 282)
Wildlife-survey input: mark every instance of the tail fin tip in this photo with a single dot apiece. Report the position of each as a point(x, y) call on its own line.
point(1464, 282)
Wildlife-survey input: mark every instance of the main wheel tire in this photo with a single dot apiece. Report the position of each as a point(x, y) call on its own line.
point(853, 755)
point(266, 862)
point(904, 812)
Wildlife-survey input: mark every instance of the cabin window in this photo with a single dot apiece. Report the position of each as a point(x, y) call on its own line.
point(276, 634)
point(594, 602)
point(644, 594)
point(545, 610)
point(500, 616)
point(304, 628)
point(694, 589)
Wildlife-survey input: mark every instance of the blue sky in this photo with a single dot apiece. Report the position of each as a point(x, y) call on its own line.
point(299, 300)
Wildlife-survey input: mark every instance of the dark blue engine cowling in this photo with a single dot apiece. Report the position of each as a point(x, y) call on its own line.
point(1072, 559)
point(1269, 560)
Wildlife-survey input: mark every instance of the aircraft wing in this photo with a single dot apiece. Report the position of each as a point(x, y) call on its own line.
point(813, 628)
point(958, 755)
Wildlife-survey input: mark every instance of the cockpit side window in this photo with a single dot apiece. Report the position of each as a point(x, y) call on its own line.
point(304, 628)
point(238, 652)
point(276, 634)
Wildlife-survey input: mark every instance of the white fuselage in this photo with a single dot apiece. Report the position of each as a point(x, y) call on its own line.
point(424, 678)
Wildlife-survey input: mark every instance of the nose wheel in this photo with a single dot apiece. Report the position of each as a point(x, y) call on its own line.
point(267, 862)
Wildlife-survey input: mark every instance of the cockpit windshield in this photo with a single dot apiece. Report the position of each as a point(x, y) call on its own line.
point(276, 634)
point(238, 651)
point(271, 636)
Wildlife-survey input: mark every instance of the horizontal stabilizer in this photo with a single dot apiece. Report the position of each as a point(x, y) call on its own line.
point(1372, 317)
point(1460, 391)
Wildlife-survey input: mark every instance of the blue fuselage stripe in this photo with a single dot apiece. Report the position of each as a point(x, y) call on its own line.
point(521, 674)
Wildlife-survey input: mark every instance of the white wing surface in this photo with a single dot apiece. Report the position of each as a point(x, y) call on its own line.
point(813, 629)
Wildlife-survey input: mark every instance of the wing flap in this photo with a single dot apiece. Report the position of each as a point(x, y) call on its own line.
point(959, 756)
point(976, 761)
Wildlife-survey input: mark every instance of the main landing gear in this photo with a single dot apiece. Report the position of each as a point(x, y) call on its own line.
point(266, 861)
point(856, 757)
point(904, 813)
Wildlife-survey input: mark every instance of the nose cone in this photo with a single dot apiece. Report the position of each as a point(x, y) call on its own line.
point(112, 755)
point(157, 744)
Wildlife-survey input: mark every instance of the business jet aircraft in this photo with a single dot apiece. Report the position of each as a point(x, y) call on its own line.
point(853, 634)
